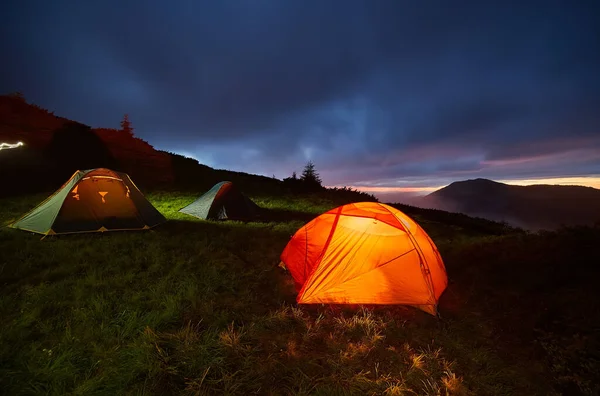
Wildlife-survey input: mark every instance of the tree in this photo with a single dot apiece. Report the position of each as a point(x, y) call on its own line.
point(17, 95)
point(126, 125)
point(294, 175)
point(310, 175)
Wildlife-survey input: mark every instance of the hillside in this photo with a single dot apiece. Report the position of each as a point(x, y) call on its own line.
point(29, 123)
point(55, 147)
point(532, 207)
point(200, 307)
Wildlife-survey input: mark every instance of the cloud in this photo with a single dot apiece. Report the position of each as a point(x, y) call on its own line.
point(373, 92)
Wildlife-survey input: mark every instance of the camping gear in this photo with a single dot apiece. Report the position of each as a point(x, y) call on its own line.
point(94, 200)
point(223, 201)
point(365, 253)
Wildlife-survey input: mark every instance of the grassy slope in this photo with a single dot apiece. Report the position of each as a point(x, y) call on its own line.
point(200, 308)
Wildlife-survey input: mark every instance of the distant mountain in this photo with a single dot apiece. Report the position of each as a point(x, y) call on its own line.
point(531, 207)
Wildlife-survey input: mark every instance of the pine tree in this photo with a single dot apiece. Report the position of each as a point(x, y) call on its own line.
point(294, 175)
point(126, 125)
point(17, 95)
point(310, 175)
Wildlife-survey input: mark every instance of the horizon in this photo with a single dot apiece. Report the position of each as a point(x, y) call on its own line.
point(387, 97)
point(411, 195)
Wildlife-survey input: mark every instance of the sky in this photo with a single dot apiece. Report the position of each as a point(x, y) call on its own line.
point(392, 96)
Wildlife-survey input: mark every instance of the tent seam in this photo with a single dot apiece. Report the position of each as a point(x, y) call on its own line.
point(429, 281)
point(325, 247)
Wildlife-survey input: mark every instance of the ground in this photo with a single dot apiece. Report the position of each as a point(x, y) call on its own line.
point(196, 307)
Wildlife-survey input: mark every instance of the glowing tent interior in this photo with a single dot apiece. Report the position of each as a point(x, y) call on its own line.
point(365, 253)
point(95, 200)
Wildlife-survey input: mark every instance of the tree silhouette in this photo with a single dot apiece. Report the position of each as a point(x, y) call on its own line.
point(17, 95)
point(310, 175)
point(126, 125)
point(294, 175)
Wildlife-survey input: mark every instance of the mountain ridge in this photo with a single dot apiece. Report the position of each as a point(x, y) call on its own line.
point(55, 147)
point(540, 206)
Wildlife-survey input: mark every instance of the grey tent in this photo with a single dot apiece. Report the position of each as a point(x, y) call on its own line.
point(223, 201)
point(95, 200)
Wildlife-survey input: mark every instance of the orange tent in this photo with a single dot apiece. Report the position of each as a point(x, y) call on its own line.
point(365, 253)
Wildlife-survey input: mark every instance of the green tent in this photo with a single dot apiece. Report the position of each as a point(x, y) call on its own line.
point(223, 201)
point(95, 200)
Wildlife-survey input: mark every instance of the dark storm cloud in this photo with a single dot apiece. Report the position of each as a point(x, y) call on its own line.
point(373, 92)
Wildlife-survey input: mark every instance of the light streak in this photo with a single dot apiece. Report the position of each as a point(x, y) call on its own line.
point(5, 146)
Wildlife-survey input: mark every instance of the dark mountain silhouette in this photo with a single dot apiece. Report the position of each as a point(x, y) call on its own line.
point(26, 122)
point(531, 207)
point(76, 145)
point(72, 146)
point(191, 175)
point(66, 145)
point(55, 147)
point(149, 167)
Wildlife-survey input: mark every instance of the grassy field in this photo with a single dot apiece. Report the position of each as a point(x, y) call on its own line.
point(195, 307)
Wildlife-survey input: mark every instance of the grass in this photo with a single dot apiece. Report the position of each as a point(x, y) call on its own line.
point(197, 308)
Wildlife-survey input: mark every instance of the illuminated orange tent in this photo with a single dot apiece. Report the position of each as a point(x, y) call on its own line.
point(365, 253)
